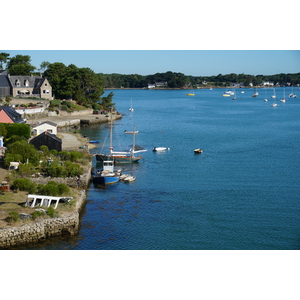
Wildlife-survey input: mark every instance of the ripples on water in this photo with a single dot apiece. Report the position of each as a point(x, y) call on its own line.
point(241, 193)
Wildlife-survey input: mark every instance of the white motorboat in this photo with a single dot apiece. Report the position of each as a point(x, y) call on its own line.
point(157, 149)
point(198, 151)
point(131, 132)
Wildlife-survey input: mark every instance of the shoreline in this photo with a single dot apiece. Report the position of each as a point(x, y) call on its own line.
point(39, 231)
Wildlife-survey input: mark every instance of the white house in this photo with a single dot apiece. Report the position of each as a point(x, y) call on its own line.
point(151, 86)
point(45, 126)
point(264, 83)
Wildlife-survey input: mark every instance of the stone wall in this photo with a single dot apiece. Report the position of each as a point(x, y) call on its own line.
point(42, 229)
point(71, 114)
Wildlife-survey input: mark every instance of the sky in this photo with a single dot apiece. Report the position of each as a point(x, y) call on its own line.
point(188, 62)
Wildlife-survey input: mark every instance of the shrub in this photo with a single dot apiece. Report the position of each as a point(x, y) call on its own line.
point(67, 104)
point(75, 156)
point(56, 170)
point(54, 152)
point(14, 216)
point(63, 189)
point(36, 214)
point(73, 169)
point(55, 103)
point(26, 169)
point(51, 212)
point(49, 190)
point(64, 155)
point(44, 149)
point(64, 108)
point(22, 184)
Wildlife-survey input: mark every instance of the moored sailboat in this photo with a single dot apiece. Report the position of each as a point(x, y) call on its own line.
point(127, 156)
point(131, 108)
point(283, 99)
point(274, 97)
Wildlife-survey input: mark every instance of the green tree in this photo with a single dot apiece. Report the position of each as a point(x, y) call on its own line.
point(23, 152)
point(22, 130)
point(3, 130)
point(20, 65)
point(106, 102)
point(4, 57)
point(43, 66)
point(80, 84)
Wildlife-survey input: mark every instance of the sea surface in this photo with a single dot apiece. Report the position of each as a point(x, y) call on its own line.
point(241, 193)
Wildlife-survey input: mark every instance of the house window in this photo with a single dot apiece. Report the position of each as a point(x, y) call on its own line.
point(46, 84)
point(46, 92)
point(17, 82)
point(26, 82)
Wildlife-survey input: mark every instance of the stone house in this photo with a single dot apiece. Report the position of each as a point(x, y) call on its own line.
point(25, 86)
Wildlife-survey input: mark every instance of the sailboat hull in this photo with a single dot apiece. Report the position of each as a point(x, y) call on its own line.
point(118, 158)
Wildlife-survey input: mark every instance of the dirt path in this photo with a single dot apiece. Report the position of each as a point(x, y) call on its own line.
point(69, 141)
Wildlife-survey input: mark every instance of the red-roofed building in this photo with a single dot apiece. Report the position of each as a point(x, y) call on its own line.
point(9, 115)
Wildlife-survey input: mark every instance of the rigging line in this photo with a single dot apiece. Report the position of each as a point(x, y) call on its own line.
point(103, 144)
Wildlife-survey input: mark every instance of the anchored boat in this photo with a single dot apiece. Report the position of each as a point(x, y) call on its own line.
point(122, 156)
point(157, 149)
point(107, 175)
point(198, 151)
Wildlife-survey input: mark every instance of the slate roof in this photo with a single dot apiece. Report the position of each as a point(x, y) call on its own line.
point(15, 116)
point(33, 81)
point(4, 82)
point(46, 133)
point(47, 122)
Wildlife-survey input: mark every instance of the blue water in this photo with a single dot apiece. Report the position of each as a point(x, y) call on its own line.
point(242, 192)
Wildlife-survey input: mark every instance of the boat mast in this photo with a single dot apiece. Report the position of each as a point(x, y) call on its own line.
point(110, 136)
point(133, 141)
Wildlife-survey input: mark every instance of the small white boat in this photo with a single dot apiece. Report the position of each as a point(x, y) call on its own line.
point(198, 151)
point(127, 178)
point(242, 92)
point(157, 149)
point(274, 104)
point(131, 132)
point(266, 100)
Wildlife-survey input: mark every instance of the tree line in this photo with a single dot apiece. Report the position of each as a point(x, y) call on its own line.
point(87, 87)
point(179, 80)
